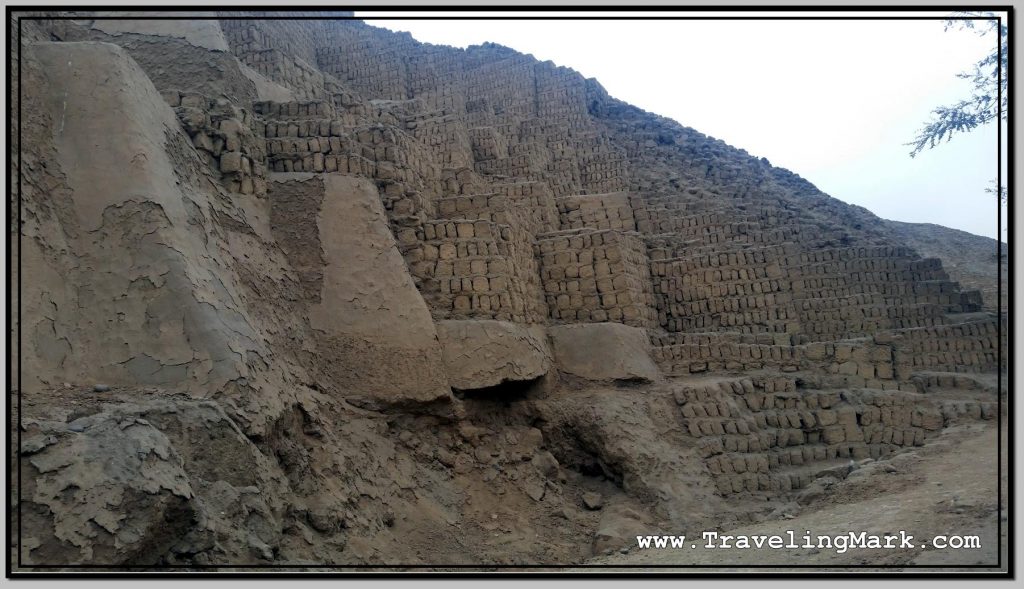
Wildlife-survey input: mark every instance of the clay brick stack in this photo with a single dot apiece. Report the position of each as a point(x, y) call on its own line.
point(476, 260)
point(686, 353)
point(309, 137)
point(762, 435)
point(965, 347)
point(518, 190)
point(594, 276)
point(281, 50)
point(743, 291)
point(230, 138)
point(598, 211)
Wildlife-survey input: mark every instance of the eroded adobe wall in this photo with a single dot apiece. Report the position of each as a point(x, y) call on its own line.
point(142, 249)
point(284, 226)
point(730, 244)
point(518, 191)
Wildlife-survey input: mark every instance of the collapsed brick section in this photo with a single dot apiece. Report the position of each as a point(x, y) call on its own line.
point(536, 202)
point(229, 138)
point(293, 220)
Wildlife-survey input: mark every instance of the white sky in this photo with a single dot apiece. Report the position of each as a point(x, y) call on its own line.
point(833, 101)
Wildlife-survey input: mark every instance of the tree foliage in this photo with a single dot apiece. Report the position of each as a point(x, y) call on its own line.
point(988, 100)
point(996, 190)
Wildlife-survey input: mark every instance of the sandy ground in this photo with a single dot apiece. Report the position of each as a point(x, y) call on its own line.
point(948, 487)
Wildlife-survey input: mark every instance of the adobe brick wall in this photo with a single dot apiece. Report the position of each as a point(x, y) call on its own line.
point(519, 191)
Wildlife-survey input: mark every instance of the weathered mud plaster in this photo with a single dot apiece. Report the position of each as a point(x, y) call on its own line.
point(481, 354)
point(376, 340)
point(603, 351)
point(201, 33)
point(136, 481)
point(160, 308)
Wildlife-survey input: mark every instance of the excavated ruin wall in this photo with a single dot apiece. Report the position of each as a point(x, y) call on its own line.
point(148, 241)
point(139, 263)
point(312, 250)
point(373, 331)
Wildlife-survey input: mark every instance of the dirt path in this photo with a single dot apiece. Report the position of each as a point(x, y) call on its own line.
point(947, 487)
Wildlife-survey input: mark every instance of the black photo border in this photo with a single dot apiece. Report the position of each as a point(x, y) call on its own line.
point(548, 571)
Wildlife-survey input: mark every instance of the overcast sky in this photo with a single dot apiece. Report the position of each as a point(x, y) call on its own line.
point(833, 101)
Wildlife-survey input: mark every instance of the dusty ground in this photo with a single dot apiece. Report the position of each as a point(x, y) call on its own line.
point(946, 487)
point(448, 508)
